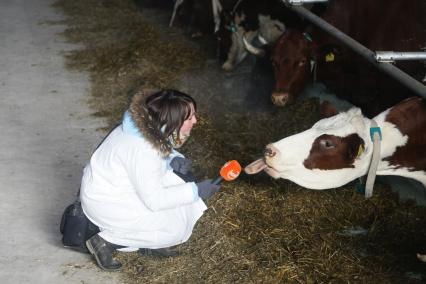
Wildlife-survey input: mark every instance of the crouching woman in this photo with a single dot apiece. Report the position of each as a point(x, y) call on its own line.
point(137, 188)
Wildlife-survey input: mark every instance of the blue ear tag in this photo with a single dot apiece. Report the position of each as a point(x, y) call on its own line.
point(232, 28)
point(307, 37)
point(374, 130)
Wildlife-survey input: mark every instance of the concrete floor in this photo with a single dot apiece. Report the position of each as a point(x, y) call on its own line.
point(47, 136)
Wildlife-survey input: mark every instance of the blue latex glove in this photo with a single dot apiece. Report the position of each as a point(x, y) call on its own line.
point(181, 165)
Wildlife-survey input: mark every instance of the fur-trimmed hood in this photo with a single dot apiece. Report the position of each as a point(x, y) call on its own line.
point(144, 123)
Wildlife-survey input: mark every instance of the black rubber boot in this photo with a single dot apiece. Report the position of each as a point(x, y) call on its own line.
point(102, 251)
point(162, 252)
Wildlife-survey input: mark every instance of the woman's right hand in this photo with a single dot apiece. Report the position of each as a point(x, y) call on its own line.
point(206, 188)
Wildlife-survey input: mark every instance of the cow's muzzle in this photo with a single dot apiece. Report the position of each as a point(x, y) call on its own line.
point(281, 99)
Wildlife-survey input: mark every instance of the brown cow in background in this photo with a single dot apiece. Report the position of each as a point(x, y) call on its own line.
point(379, 25)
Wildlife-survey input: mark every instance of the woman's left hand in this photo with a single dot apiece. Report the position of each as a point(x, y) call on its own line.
point(181, 165)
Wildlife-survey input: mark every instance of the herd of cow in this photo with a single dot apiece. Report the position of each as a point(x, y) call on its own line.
point(338, 148)
point(300, 53)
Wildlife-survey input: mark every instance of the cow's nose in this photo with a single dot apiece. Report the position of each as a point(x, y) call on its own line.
point(270, 151)
point(280, 99)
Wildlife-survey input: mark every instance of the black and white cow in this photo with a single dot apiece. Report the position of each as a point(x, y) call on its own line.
point(252, 20)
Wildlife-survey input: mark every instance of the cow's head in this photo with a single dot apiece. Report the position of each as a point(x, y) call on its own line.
point(238, 33)
point(333, 152)
point(230, 39)
point(291, 59)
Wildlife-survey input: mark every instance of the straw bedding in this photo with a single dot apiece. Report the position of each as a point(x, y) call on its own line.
point(256, 230)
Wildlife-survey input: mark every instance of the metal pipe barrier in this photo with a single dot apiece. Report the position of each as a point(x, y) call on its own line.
point(301, 2)
point(392, 56)
point(402, 77)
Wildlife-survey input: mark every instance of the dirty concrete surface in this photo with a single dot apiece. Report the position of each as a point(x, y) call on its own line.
point(47, 136)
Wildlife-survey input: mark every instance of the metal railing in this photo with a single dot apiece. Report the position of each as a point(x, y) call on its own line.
point(392, 56)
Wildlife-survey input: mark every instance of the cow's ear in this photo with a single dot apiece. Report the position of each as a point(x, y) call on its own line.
point(355, 146)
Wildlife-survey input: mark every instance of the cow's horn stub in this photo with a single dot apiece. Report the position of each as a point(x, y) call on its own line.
point(253, 50)
point(255, 167)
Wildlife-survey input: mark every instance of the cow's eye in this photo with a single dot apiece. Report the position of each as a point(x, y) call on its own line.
point(327, 144)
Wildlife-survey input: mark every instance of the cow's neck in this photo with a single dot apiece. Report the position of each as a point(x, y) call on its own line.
point(398, 155)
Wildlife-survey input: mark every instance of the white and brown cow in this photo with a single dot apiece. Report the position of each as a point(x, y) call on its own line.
point(338, 149)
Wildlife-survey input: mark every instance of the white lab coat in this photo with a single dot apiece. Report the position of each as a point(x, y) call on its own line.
point(132, 194)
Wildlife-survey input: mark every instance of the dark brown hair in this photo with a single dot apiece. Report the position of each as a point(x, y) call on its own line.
point(169, 109)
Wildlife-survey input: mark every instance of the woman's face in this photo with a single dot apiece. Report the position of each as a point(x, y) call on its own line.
point(187, 125)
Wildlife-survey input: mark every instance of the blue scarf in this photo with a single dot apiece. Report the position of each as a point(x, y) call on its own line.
point(129, 126)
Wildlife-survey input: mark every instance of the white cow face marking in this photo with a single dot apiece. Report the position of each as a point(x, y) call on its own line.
point(333, 152)
point(270, 29)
